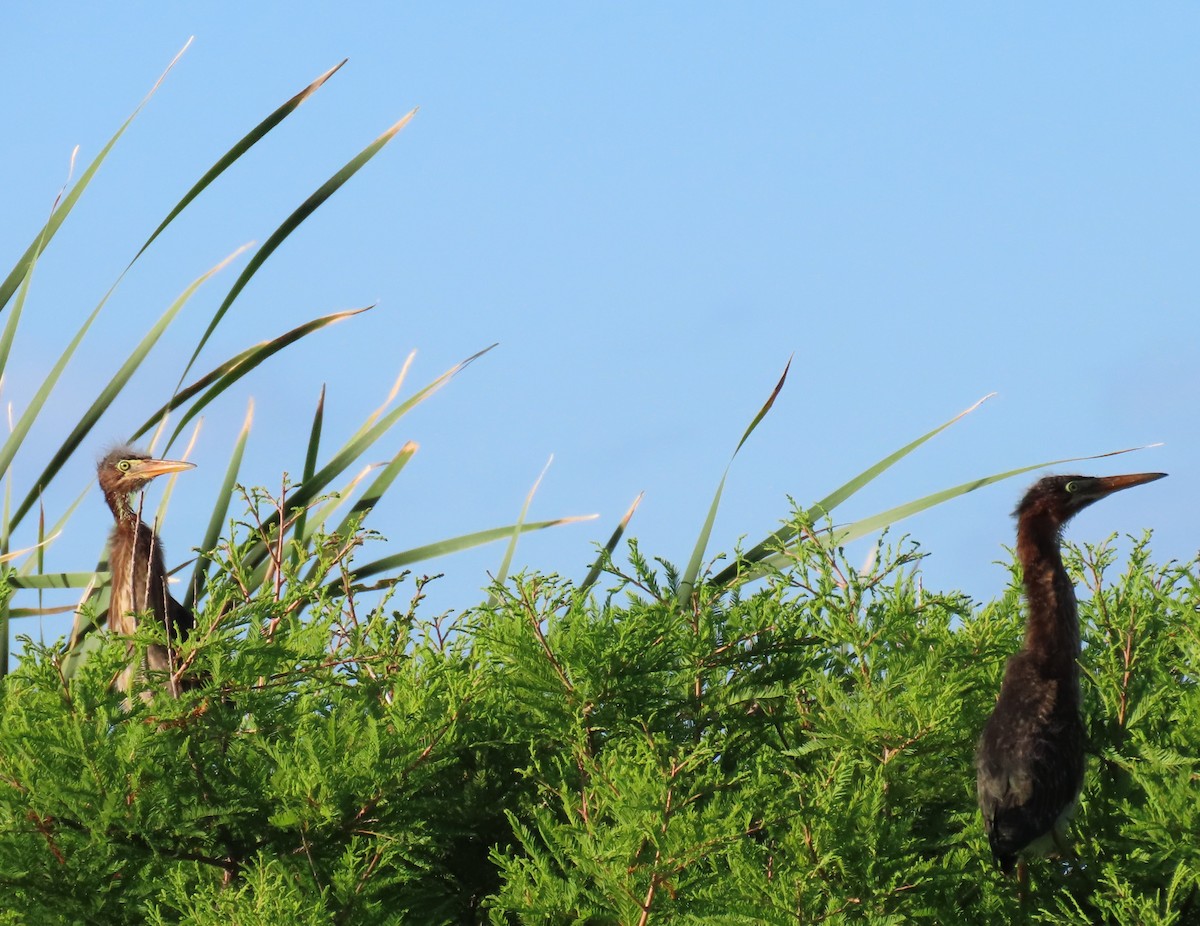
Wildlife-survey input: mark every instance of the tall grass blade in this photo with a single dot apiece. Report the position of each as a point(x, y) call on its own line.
point(14, 317)
point(837, 496)
point(40, 241)
point(57, 580)
point(25, 422)
point(331, 503)
point(688, 582)
point(225, 374)
point(825, 506)
point(310, 464)
point(379, 485)
point(220, 512)
point(102, 402)
point(455, 545)
point(248, 141)
point(290, 224)
point(20, 613)
point(598, 566)
point(898, 513)
point(363, 506)
point(511, 549)
point(853, 531)
point(58, 526)
point(355, 447)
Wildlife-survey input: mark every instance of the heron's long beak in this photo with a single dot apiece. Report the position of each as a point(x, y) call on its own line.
point(1106, 485)
point(148, 469)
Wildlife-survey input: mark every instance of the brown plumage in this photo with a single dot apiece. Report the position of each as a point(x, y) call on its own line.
point(1030, 762)
point(135, 560)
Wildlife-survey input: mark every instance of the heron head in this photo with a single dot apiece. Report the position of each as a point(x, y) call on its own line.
point(125, 470)
point(1062, 497)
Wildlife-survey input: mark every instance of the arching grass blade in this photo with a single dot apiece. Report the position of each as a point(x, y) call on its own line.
point(102, 402)
point(290, 224)
point(59, 215)
point(598, 566)
point(511, 549)
point(845, 534)
point(216, 520)
point(825, 506)
point(248, 141)
point(455, 545)
point(225, 374)
point(688, 582)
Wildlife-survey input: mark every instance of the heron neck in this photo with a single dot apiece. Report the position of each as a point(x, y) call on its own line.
point(1052, 623)
point(121, 505)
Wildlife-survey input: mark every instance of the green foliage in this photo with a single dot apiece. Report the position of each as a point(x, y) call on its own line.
point(188, 397)
point(805, 754)
point(282, 786)
point(802, 753)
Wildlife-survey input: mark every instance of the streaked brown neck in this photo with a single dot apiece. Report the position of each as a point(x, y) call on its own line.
point(121, 505)
point(1052, 622)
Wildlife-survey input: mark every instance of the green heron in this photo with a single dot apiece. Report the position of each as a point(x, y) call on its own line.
point(1030, 761)
point(135, 559)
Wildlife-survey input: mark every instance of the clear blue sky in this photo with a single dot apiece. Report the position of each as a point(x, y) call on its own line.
point(650, 207)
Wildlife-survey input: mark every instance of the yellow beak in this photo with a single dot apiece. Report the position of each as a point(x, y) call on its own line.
point(148, 469)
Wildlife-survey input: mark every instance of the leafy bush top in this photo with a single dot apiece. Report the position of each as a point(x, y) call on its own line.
point(800, 754)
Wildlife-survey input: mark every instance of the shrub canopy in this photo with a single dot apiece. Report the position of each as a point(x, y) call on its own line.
point(800, 754)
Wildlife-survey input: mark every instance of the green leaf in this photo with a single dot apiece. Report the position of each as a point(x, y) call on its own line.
point(216, 520)
point(511, 549)
point(853, 531)
point(365, 503)
point(310, 461)
point(219, 380)
point(58, 580)
point(290, 224)
point(20, 613)
point(379, 485)
point(598, 566)
point(19, 432)
point(114, 387)
point(455, 545)
point(354, 448)
point(248, 141)
point(826, 505)
point(688, 582)
point(63, 209)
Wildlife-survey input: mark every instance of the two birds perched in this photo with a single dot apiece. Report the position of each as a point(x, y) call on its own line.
point(1030, 761)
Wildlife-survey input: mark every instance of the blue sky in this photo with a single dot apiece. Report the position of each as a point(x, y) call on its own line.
point(650, 207)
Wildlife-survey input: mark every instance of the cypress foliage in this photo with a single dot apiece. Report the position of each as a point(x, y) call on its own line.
point(800, 754)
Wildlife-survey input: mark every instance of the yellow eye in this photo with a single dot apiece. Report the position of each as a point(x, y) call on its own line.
point(1072, 487)
point(123, 465)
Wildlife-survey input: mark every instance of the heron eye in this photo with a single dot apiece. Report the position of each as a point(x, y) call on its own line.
point(1072, 486)
point(123, 465)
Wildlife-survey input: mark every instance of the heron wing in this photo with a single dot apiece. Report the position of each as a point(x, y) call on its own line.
point(1029, 767)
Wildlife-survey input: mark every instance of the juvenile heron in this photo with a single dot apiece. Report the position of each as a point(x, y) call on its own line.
point(135, 560)
point(1029, 765)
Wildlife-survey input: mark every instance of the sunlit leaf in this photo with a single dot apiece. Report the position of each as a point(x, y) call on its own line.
point(688, 581)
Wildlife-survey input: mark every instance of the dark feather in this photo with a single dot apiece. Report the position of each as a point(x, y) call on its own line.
point(1030, 762)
